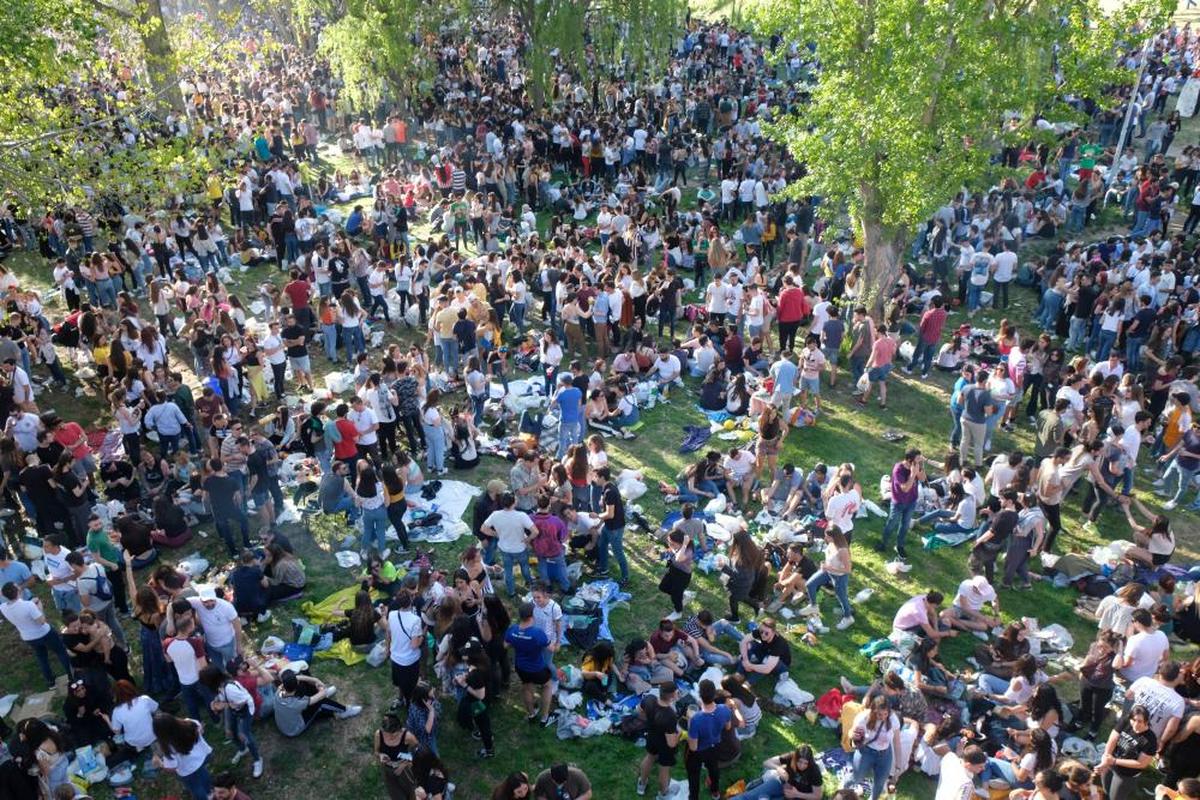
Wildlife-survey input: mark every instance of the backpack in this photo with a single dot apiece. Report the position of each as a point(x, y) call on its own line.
point(104, 590)
point(583, 632)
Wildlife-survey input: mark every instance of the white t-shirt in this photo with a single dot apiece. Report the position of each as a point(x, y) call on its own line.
point(363, 421)
point(956, 782)
point(236, 695)
point(912, 614)
point(1004, 264)
point(1146, 649)
point(181, 654)
point(217, 622)
point(667, 370)
point(880, 738)
point(27, 617)
point(741, 466)
point(512, 526)
point(186, 763)
point(404, 626)
point(1002, 475)
point(1163, 702)
point(841, 508)
point(972, 600)
point(135, 720)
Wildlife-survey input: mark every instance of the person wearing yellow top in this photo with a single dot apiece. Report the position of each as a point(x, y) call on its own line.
point(213, 188)
point(1179, 421)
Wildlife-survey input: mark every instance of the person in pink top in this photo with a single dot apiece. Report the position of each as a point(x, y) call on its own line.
point(929, 333)
point(879, 365)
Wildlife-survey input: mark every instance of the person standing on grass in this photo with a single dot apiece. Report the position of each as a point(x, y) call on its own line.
point(906, 475)
point(612, 535)
point(879, 366)
point(662, 738)
point(29, 619)
point(528, 642)
point(183, 750)
point(929, 332)
point(812, 362)
point(977, 406)
point(862, 341)
point(704, 737)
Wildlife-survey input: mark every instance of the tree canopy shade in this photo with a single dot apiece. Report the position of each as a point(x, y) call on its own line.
point(372, 45)
point(911, 96)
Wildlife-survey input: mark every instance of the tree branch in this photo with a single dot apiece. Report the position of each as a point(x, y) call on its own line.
point(105, 8)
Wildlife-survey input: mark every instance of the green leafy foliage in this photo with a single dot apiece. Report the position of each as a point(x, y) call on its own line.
point(911, 97)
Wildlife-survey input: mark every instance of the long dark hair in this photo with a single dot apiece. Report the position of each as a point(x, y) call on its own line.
point(364, 486)
point(175, 735)
point(507, 788)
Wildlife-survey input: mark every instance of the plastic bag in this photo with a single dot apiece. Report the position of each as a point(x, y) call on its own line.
point(271, 645)
point(787, 693)
point(378, 655)
point(717, 505)
point(863, 383)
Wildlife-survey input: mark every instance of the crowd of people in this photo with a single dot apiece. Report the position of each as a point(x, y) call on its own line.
point(566, 251)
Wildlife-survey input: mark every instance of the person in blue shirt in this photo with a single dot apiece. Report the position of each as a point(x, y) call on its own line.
point(16, 572)
point(965, 380)
point(528, 641)
point(569, 402)
point(354, 222)
point(784, 373)
point(704, 735)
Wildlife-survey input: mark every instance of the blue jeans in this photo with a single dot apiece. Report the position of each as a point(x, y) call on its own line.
point(1185, 478)
point(613, 538)
point(554, 570)
point(1076, 331)
point(329, 340)
point(569, 433)
point(490, 548)
point(223, 525)
point(898, 522)
point(355, 343)
point(509, 559)
point(449, 347)
point(841, 587)
point(517, 313)
point(992, 420)
point(992, 684)
point(923, 355)
point(771, 788)
point(1133, 352)
point(107, 292)
point(194, 699)
point(42, 648)
point(1052, 303)
point(375, 525)
point(973, 296)
point(951, 528)
point(66, 598)
point(435, 447)
point(198, 784)
point(237, 723)
point(686, 496)
point(347, 506)
point(1104, 344)
point(956, 429)
point(876, 763)
point(930, 516)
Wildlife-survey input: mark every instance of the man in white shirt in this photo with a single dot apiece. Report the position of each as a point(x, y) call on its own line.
point(966, 612)
point(739, 474)
point(513, 531)
point(1160, 698)
point(716, 298)
point(96, 593)
point(30, 621)
point(221, 625)
point(59, 575)
point(843, 504)
point(181, 652)
point(958, 774)
point(21, 387)
point(276, 354)
point(666, 369)
point(1144, 650)
point(367, 424)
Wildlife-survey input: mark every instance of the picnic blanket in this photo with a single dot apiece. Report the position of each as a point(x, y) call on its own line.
point(694, 437)
point(332, 608)
point(451, 501)
point(606, 594)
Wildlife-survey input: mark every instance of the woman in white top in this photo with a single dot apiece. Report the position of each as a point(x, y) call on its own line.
point(405, 635)
point(550, 353)
point(352, 319)
point(875, 736)
point(132, 719)
point(435, 433)
point(184, 752)
point(371, 499)
point(237, 707)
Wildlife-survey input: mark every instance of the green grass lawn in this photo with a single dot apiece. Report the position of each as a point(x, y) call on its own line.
point(337, 756)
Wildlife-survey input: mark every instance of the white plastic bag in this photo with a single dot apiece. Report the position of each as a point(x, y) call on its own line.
point(717, 505)
point(378, 655)
point(787, 693)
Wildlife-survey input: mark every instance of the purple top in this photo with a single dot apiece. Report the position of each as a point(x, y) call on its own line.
point(900, 475)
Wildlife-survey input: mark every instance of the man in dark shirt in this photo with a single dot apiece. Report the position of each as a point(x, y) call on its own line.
point(1137, 331)
point(988, 546)
point(225, 498)
point(662, 737)
point(1085, 299)
point(51, 515)
point(464, 332)
point(262, 474)
point(295, 339)
point(612, 513)
point(764, 652)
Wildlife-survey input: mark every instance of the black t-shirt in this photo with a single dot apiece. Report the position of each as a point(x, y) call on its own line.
point(806, 780)
point(1145, 320)
point(36, 483)
point(221, 490)
point(339, 271)
point(92, 660)
point(1131, 745)
point(1003, 525)
point(478, 679)
point(1084, 302)
point(760, 651)
point(295, 332)
point(661, 722)
point(49, 453)
point(70, 483)
point(256, 465)
point(612, 497)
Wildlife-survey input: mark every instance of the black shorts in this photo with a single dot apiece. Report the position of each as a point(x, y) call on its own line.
point(665, 756)
point(539, 678)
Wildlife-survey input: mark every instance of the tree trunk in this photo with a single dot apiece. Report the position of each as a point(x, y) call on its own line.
point(160, 57)
point(883, 248)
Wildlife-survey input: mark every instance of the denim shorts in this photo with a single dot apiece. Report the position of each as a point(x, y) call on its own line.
point(879, 374)
point(300, 363)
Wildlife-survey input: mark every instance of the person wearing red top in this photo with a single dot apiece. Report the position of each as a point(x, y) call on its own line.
point(346, 448)
point(298, 290)
point(929, 332)
point(793, 308)
point(879, 365)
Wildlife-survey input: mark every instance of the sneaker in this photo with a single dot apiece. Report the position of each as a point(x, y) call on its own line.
point(674, 615)
point(531, 717)
point(485, 753)
point(924, 376)
point(476, 735)
point(1159, 482)
point(264, 616)
point(844, 622)
point(980, 635)
point(387, 551)
point(902, 553)
point(641, 787)
point(1169, 505)
point(908, 370)
point(809, 610)
point(257, 769)
point(351, 711)
point(239, 755)
point(330, 691)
